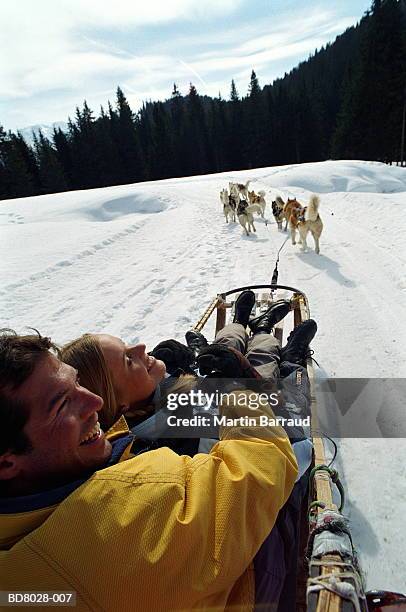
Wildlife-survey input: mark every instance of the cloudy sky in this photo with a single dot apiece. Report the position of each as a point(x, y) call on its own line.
point(56, 53)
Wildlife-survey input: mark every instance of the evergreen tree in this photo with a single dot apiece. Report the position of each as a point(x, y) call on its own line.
point(63, 151)
point(84, 152)
point(19, 180)
point(50, 169)
point(127, 141)
point(218, 136)
point(4, 186)
point(257, 125)
point(178, 131)
point(197, 145)
point(108, 160)
point(254, 89)
point(233, 92)
point(235, 135)
point(161, 165)
point(144, 135)
point(29, 159)
point(370, 120)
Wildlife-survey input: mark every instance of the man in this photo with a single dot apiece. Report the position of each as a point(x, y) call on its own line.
point(153, 532)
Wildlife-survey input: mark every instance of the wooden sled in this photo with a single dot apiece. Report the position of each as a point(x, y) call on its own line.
point(330, 582)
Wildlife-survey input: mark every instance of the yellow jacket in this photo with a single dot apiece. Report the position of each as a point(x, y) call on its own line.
point(158, 531)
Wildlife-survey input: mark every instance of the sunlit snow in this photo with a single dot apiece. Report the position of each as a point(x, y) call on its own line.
point(143, 261)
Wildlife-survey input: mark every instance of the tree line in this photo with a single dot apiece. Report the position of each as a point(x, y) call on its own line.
point(346, 101)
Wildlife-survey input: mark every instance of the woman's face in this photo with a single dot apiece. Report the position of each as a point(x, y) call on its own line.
point(135, 374)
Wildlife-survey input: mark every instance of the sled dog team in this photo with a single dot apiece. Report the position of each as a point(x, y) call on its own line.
point(239, 202)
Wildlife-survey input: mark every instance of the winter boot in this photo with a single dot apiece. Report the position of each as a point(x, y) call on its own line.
point(243, 306)
point(297, 348)
point(265, 322)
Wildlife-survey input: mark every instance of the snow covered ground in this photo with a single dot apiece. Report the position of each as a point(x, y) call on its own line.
point(143, 261)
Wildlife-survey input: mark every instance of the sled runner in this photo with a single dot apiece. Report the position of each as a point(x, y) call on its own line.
point(333, 581)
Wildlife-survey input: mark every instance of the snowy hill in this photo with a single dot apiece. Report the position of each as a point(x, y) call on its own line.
point(143, 261)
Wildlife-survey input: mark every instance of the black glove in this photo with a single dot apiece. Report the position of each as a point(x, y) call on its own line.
point(175, 355)
point(219, 361)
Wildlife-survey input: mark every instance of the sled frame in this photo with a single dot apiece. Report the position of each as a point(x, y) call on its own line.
point(326, 601)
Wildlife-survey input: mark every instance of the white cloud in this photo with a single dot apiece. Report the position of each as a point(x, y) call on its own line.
point(54, 63)
point(47, 33)
point(65, 14)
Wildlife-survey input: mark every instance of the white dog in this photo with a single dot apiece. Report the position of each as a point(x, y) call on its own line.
point(246, 217)
point(239, 189)
point(312, 223)
point(228, 205)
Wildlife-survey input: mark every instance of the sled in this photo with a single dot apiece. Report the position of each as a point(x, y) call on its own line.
point(332, 581)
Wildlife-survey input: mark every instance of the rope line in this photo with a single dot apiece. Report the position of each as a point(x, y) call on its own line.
point(345, 590)
point(275, 273)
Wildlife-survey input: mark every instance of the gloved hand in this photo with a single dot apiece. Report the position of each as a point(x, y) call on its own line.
point(219, 361)
point(175, 355)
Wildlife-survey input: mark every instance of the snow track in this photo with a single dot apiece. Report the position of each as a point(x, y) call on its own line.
point(144, 261)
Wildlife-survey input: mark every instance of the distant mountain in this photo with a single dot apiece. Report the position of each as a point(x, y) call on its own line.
point(47, 130)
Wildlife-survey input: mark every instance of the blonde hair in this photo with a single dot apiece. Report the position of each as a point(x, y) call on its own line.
point(85, 354)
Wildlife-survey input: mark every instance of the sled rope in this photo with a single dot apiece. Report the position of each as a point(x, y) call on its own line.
point(346, 590)
point(314, 505)
point(275, 273)
point(321, 433)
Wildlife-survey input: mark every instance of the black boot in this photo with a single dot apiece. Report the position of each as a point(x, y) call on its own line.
point(243, 306)
point(265, 322)
point(195, 341)
point(297, 348)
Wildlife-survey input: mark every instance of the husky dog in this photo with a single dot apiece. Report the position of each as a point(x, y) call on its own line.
point(223, 196)
point(228, 205)
point(245, 215)
point(278, 206)
point(233, 202)
point(311, 223)
point(239, 189)
point(259, 200)
point(305, 219)
point(293, 213)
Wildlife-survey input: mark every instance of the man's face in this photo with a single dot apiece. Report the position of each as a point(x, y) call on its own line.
point(62, 427)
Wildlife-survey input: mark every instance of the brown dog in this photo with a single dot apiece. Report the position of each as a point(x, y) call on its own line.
point(258, 199)
point(293, 213)
point(305, 219)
